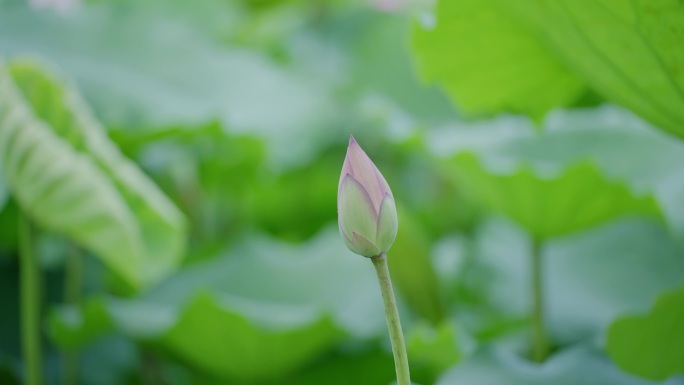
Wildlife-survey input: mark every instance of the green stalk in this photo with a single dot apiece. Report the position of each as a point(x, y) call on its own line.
point(540, 344)
point(393, 323)
point(73, 282)
point(30, 304)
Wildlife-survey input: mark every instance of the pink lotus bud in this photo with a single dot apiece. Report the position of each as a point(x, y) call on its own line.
point(366, 212)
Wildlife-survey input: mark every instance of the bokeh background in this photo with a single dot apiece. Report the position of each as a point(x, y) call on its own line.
point(173, 168)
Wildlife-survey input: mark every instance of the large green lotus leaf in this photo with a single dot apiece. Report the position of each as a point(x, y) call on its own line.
point(651, 345)
point(652, 164)
point(321, 273)
point(603, 136)
point(575, 366)
point(267, 291)
point(489, 62)
point(590, 278)
point(69, 178)
point(550, 202)
point(227, 337)
point(224, 342)
point(628, 52)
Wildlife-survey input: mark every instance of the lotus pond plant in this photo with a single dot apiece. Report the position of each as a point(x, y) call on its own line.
point(367, 217)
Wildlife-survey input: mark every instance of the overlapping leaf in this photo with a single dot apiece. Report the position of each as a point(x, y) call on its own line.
point(224, 342)
point(622, 146)
point(225, 337)
point(489, 62)
point(552, 202)
point(263, 302)
point(546, 181)
point(69, 178)
point(591, 277)
point(627, 51)
point(651, 345)
point(580, 365)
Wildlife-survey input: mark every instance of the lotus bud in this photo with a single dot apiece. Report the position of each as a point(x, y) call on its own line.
point(366, 212)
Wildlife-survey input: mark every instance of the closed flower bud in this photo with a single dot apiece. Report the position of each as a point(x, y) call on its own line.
point(366, 212)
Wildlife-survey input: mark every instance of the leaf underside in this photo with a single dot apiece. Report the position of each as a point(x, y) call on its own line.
point(66, 174)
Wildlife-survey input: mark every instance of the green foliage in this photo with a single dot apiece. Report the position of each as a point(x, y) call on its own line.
point(300, 311)
point(69, 178)
point(356, 367)
point(433, 349)
point(626, 51)
point(73, 328)
point(240, 113)
point(583, 291)
point(412, 271)
point(651, 345)
point(579, 365)
point(219, 339)
point(551, 203)
point(4, 194)
point(298, 193)
point(489, 62)
point(168, 85)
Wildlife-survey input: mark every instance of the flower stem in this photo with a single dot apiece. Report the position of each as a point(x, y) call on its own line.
point(540, 344)
point(393, 323)
point(73, 282)
point(30, 304)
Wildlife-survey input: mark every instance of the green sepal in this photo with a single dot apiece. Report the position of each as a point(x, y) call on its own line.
point(388, 224)
point(360, 245)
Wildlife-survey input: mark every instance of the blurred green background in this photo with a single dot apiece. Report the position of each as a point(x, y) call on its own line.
point(172, 166)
